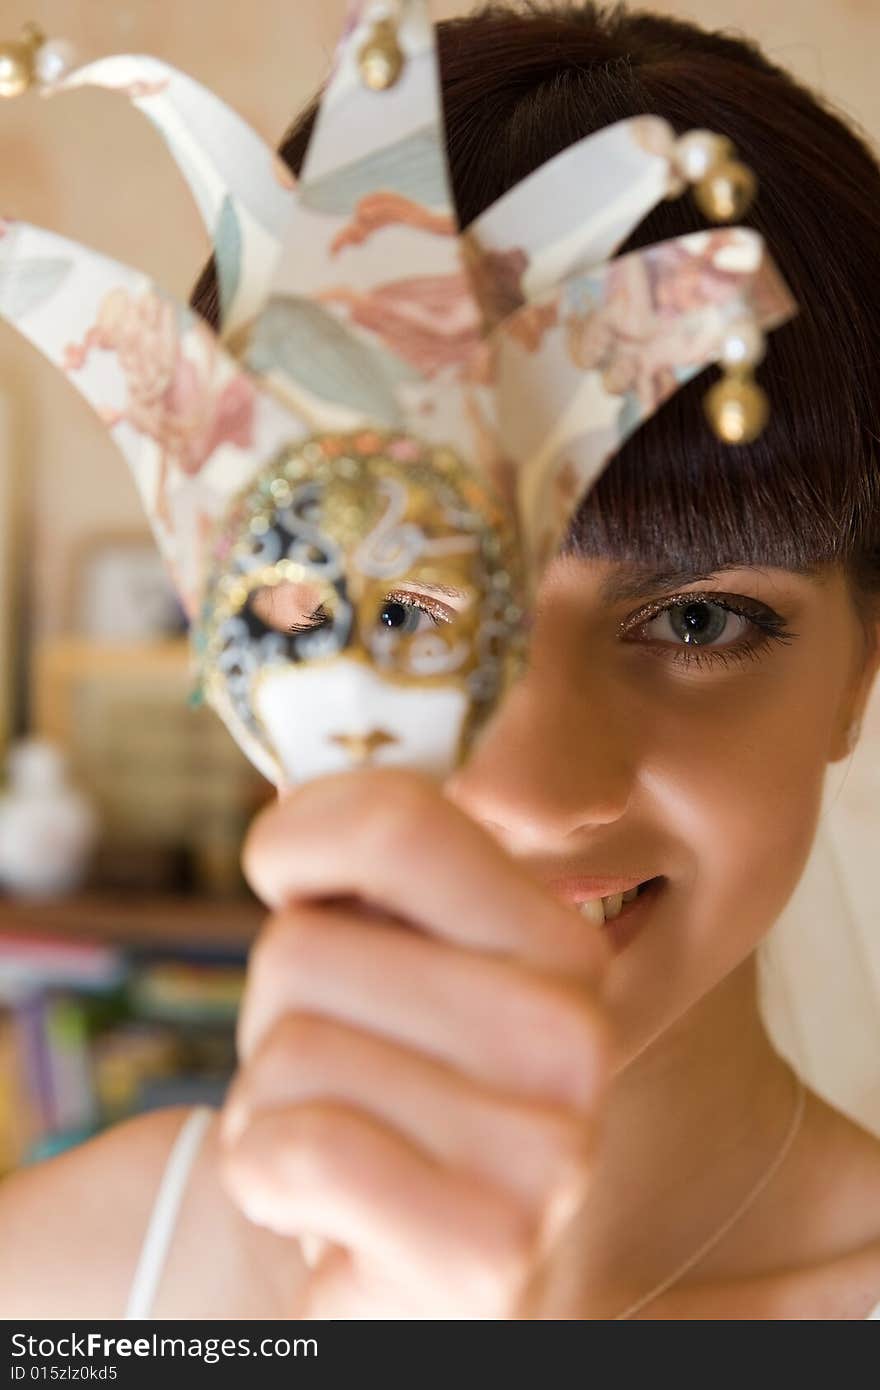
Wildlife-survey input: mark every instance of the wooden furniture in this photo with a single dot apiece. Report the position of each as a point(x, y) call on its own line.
point(138, 920)
point(162, 773)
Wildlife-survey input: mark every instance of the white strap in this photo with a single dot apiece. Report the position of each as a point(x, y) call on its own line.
point(163, 1217)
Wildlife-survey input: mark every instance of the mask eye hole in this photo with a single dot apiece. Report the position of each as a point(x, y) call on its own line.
point(292, 607)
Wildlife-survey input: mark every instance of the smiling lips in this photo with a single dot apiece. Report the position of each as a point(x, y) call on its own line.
point(600, 900)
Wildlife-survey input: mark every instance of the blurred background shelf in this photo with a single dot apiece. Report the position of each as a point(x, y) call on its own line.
point(166, 920)
point(112, 1004)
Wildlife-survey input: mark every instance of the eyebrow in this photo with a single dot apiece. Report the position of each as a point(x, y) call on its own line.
point(642, 582)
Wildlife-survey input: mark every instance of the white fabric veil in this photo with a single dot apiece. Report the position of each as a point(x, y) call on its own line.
point(820, 967)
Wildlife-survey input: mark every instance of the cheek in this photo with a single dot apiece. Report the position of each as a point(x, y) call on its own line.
point(743, 786)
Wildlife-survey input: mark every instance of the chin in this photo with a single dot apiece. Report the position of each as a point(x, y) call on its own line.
point(673, 950)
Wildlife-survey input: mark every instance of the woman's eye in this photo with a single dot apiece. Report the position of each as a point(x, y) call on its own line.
point(698, 624)
point(700, 628)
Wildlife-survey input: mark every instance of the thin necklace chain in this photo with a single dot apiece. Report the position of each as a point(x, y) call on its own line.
point(750, 1198)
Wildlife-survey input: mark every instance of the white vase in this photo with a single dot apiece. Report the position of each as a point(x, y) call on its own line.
point(48, 829)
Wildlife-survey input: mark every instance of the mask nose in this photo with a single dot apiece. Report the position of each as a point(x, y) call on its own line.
point(362, 747)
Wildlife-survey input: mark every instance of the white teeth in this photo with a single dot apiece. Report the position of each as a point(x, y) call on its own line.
point(612, 905)
point(601, 910)
point(593, 911)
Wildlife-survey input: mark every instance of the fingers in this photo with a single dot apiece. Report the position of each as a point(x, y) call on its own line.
point(531, 1150)
point(418, 1072)
point(346, 1286)
point(390, 838)
point(343, 1286)
point(326, 1169)
point(492, 1020)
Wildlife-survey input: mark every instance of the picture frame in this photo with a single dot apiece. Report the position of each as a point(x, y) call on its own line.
point(120, 590)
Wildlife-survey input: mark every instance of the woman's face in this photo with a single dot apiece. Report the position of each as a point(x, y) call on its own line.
point(678, 730)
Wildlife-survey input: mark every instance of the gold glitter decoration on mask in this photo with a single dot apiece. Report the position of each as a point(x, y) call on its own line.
point(351, 506)
point(365, 497)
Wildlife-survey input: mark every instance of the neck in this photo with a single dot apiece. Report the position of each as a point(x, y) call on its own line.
point(691, 1124)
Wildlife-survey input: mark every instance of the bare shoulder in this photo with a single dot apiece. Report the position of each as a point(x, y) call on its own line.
point(818, 1234)
point(71, 1230)
point(222, 1265)
point(840, 1200)
point(71, 1227)
point(841, 1177)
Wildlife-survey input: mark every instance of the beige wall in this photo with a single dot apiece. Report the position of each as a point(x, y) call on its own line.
point(89, 166)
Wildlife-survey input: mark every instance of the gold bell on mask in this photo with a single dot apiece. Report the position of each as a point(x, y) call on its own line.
point(381, 59)
point(724, 188)
point(737, 407)
point(32, 60)
point(18, 62)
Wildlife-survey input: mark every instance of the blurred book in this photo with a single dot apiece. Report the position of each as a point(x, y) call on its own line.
point(91, 1034)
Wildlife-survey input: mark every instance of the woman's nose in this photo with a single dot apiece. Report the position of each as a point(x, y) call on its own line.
point(551, 763)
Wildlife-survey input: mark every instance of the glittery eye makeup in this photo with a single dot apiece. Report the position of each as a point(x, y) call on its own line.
point(404, 610)
point(705, 629)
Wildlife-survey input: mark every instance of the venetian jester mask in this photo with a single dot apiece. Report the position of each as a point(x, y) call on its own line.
point(357, 480)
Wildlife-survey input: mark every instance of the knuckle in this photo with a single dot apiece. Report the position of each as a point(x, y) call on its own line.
point(574, 1041)
point(399, 813)
point(301, 1148)
point(499, 1264)
point(229, 1169)
point(279, 963)
point(566, 1145)
point(259, 842)
point(286, 944)
point(379, 784)
point(294, 1050)
point(296, 1040)
point(320, 1142)
point(264, 947)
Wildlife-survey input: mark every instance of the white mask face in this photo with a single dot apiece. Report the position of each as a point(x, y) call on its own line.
point(344, 715)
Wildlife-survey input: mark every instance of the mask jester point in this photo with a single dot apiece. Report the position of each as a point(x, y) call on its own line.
point(357, 480)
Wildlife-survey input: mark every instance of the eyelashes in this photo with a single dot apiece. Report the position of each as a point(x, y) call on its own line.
point(767, 628)
point(310, 624)
point(411, 604)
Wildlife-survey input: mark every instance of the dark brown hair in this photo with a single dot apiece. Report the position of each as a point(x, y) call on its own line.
point(521, 83)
